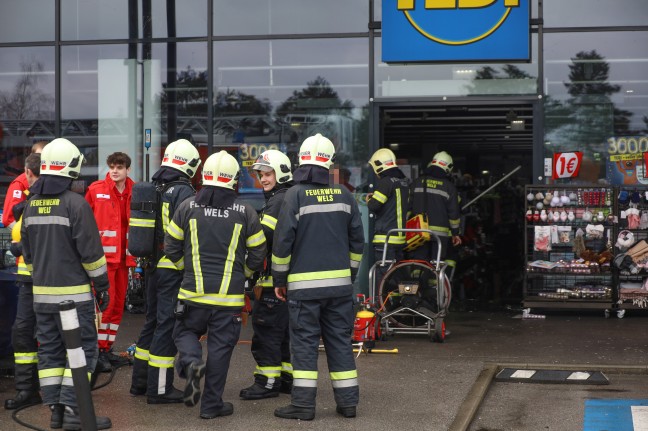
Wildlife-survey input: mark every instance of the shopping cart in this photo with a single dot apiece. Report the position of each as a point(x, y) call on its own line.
point(413, 295)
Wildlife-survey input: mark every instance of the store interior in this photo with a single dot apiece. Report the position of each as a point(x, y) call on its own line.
point(487, 142)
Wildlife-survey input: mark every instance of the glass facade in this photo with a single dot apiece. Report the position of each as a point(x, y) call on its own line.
point(251, 74)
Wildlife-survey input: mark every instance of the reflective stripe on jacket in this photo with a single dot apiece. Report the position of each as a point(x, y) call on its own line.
point(437, 197)
point(170, 200)
point(389, 202)
point(218, 247)
point(62, 249)
point(318, 242)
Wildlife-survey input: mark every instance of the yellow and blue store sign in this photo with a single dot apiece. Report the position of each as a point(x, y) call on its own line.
point(455, 30)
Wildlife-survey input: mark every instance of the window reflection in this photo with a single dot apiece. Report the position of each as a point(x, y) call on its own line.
point(595, 103)
point(26, 106)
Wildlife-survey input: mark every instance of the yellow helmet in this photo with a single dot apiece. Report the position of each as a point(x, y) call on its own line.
point(442, 160)
point(221, 170)
point(276, 161)
point(181, 155)
point(61, 158)
point(317, 150)
point(382, 160)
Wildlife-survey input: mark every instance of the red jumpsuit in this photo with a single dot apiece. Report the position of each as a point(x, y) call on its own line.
point(112, 211)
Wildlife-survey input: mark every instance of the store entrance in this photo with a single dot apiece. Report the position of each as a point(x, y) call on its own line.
point(487, 140)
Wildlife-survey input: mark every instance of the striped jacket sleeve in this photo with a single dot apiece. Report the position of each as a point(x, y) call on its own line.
point(255, 243)
point(356, 240)
point(85, 235)
point(284, 237)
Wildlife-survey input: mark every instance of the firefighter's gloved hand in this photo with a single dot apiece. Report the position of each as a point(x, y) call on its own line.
point(16, 249)
point(103, 299)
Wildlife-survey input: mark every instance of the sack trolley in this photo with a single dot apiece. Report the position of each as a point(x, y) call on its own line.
point(414, 295)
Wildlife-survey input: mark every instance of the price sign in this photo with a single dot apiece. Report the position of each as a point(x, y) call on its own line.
point(567, 165)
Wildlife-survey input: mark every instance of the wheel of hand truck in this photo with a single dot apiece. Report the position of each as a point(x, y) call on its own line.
point(415, 273)
point(439, 331)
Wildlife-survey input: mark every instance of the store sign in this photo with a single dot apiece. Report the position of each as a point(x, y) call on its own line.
point(455, 30)
point(626, 160)
point(567, 165)
point(247, 155)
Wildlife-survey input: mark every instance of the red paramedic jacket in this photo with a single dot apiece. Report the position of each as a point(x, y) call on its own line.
point(15, 194)
point(104, 201)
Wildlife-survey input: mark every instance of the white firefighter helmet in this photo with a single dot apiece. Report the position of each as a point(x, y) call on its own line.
point(382, 160)
point(442, 160)
point(221, 170)
point(182, 156)
point(317, 150)
point(61, 158)
point(274, 160)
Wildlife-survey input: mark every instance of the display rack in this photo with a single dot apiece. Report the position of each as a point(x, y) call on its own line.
point(563, 271)
point(632, 203)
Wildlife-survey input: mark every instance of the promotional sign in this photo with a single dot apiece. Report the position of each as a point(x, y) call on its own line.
point(567, 165)
point(627, 160)
point(455, 30)
point(247, 155)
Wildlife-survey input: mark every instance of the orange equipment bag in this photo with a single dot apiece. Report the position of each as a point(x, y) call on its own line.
point(416, 239)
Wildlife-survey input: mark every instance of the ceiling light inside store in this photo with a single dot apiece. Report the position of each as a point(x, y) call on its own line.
point(393, 147)
point(517, 125)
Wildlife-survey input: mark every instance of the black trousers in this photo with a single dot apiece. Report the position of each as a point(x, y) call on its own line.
point(271, 341)
point(155, 351)
point(332, 319)
point(53, 368)
point(223, 327)
point(25, 344)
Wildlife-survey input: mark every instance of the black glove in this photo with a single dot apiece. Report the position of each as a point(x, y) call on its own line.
point(101, 286)
point(16, 249)
point(103, 299)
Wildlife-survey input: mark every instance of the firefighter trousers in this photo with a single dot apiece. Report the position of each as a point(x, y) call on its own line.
point(223, 327)
point(155, 350)
point(271, 341)
point(25, 346)
point(54, 371)
point(112, 316)
point(332, 319)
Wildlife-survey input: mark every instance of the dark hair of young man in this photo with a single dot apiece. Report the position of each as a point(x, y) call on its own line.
point(119, 158)
point(33, 163)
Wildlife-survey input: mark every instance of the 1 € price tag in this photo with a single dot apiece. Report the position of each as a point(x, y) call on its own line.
point(567, 165)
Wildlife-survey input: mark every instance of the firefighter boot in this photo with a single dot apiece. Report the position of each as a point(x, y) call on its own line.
point(226, 410)
point(294, 412)
point(56, 420)
point(72, 420)
point(195, 372)
point(258, 392)
point(171, 397)
point(347, 412)
point(22, 399)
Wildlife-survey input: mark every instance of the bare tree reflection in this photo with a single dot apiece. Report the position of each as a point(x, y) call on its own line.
point(26, 100)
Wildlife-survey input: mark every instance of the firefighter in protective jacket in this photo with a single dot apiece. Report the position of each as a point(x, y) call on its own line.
point(155, 351)
point(434, 194)
point(316, 254)
point(270, 341)
point(220, 240)
point(389, 203)
point(62, 248)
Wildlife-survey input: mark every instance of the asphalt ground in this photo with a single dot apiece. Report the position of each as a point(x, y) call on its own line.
point(426, 386)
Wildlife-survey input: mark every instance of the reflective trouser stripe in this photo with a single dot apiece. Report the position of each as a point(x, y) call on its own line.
point(268, 371)
point(142, 354)
point(286, 367)
point(305, 383)
point(50, 376)
point(161, 361)
point(67, 377)
point(26, 357)
point(305, 379)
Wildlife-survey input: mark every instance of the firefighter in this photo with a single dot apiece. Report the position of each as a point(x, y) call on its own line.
point(155, 350)
point(389, 203)
point(270, 341)
point(434, 193)
point(110, 202)
point(220, 240)
point(16, 191)
point(316, 254)
point(23, 332)
point(62, 249)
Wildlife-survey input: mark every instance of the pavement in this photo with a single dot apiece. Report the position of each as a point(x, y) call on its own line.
point(425, 386)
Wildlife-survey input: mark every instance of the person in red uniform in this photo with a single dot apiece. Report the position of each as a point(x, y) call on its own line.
point(16, 191)
point(110, 200)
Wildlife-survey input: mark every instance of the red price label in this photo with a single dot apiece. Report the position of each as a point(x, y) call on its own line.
point(566, 165)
